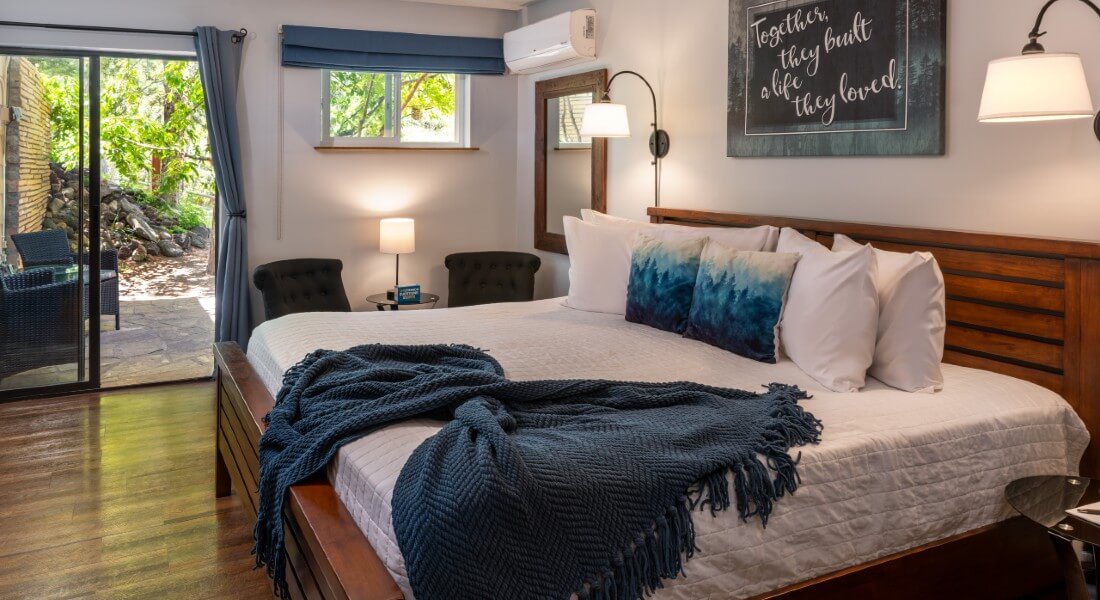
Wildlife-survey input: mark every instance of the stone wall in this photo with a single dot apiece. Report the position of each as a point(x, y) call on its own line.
point(27, 187)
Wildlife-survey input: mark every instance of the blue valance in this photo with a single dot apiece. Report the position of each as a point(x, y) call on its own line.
point(387, 51)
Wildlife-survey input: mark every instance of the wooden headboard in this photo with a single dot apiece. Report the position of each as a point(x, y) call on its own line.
point(1024, 307)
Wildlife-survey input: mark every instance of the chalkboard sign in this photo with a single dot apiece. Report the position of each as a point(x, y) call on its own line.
point(836, 77)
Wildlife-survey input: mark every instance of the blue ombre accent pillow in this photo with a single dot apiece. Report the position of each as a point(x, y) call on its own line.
point(739, 300)
point(662, 280)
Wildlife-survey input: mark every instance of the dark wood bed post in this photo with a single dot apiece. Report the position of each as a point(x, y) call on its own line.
point(327, 555)
point(223, 484)
point(1019, 306)
point(1083, 363)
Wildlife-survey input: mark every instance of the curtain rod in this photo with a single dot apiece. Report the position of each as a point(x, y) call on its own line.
point(237, 37)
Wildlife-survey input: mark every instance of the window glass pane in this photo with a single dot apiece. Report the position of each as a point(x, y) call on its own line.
point(569, 120)
point(357, 104)
point(429, 107)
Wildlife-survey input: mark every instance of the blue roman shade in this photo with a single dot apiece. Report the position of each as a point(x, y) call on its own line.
point(387, 51)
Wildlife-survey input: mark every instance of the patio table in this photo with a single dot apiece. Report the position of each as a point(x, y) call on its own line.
point(69, 273)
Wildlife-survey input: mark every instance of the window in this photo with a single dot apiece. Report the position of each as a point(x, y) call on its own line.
point(570, 115)
point(362, 108)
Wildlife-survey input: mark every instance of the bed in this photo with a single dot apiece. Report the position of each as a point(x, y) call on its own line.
point(903, 493)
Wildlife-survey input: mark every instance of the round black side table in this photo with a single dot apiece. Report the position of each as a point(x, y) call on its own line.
point(383, 302)
point(1044, 500)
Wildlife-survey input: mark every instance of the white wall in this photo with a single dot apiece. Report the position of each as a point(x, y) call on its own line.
point(332, 203)
point(1029, 179)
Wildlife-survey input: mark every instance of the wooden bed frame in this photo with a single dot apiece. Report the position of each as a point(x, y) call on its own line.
point(1020, 306)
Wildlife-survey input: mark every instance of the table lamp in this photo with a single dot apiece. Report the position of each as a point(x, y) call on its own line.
point(397, 237)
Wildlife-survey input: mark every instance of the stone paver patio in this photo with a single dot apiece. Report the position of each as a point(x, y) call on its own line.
point(161, 340)
point(167, 327)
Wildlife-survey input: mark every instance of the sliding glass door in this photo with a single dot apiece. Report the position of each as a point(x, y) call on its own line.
point(49, 278)
point(106, 259)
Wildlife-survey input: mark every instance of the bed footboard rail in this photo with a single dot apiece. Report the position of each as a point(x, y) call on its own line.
point(327, 555)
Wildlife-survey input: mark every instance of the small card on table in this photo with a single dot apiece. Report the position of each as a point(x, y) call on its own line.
point(1091, 518)
point(408, 294)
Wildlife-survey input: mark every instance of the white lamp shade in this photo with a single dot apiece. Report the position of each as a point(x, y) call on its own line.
point(1035, 87)
point(605, 120)
point(397, 236)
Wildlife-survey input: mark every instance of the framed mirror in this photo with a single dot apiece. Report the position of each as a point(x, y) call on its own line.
point(570, 171)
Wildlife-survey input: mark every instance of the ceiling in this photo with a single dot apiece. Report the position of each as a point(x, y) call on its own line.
point(503, 4)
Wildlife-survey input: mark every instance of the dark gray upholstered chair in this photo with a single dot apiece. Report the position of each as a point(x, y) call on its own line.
point(301, 285)
point(50, 247)
point(488, 277)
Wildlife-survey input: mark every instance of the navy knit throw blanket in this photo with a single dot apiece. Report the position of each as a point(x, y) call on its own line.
point(533, 489)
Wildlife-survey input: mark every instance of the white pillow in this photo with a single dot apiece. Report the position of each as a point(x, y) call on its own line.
point(599, 266)
point(912, 318)
point(831, 317)
point(753, 239)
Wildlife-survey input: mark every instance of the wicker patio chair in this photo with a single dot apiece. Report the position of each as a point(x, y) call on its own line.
point(40, 322)
point(50, 247)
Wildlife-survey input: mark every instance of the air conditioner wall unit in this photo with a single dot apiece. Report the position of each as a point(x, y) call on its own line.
point(554, 43)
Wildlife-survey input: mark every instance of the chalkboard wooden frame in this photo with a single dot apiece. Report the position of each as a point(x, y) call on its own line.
point(836, 78)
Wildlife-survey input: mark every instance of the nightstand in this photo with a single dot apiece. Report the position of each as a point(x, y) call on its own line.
point(1044, 500)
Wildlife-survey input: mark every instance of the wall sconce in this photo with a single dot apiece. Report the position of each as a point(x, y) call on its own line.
point(1037, 86)
point(605, 119)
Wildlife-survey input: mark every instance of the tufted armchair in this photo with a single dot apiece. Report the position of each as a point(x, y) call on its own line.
point(301, 285)
point(488, 277)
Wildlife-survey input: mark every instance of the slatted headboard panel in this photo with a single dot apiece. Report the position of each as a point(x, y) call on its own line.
point(1024, 307)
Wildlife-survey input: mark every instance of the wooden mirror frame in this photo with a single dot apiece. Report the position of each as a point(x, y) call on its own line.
point(592, 81)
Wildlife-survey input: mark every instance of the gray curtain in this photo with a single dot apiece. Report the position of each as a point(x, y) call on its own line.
point(219, 54)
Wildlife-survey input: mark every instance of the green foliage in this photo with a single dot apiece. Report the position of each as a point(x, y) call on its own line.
point(143, 197)
point(153, 124)
point(357, 105)
point(60, 79)
point(363, 104)
point(191, 216)
point(428, 101)
point(187, 212)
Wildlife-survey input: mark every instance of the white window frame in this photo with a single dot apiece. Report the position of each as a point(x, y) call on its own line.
point(391, 135)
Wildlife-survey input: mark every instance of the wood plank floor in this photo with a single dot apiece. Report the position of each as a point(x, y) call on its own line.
point(112, 496)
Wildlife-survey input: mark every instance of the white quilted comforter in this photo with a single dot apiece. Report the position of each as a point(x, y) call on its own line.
point(893, 471)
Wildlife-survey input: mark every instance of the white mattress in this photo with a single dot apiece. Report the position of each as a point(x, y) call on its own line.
point(893, 471)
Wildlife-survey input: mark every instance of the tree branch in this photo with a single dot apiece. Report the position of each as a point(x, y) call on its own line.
point(416, 88)
point(205, 159)
point(366, 102)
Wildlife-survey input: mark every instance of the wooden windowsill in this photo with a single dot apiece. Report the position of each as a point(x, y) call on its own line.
point(392, 149)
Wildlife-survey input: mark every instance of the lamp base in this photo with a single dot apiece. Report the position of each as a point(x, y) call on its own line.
point(391, 294)
point(659, 143)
